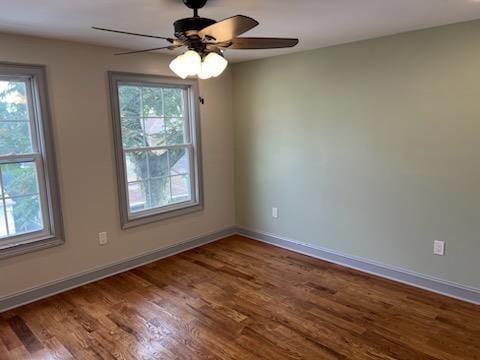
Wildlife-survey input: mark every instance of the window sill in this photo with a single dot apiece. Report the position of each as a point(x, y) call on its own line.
point(147, 219)
point(16, 250)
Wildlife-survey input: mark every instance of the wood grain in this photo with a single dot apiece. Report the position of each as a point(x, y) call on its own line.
point(241, 299)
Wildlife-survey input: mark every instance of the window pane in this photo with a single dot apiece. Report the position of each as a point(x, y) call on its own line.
point(137, 196)
point(3, 225)
point(15, 137)
point(157, 145)
point(130, 101)
point(160, 192)
point(137, 168)
point(180, 188)
point(158, 163)
point(173, 101)
point(179, 163)
point(132, 133)
point(152, 101)
point(19, 179)
point(29, 209)
point(175, 131)
point(155, 131)
point(24, 214)
point(13, 100)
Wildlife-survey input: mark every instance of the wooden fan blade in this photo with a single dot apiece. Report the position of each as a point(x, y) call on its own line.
point(135, 34)
point(171, 47)
point(261, 43)
point(226, 30)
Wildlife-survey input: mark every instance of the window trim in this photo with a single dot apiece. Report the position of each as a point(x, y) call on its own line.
point(196, 204)
point(42, 137)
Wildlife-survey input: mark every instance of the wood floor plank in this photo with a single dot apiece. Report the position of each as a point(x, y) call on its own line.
point(241, 299)
point(24, 333)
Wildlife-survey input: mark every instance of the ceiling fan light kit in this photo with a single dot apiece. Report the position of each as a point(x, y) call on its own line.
point(206, 41)
point(192, 64)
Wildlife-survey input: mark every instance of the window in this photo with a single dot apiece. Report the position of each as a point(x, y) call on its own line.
point(156, 125)
point(29, 204)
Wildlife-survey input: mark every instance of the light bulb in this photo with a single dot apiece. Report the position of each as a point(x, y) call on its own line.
point(213, 65)
point(192, 62)
point(178, 67)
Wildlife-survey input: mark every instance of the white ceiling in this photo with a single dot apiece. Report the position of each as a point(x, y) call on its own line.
point(317, 23)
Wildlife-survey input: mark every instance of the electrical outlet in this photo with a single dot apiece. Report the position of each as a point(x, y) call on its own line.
point(275, 212)
point(439, 247)
point(102, 238)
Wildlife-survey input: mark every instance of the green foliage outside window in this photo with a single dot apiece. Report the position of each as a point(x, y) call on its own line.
point(152, 117)
point(20, 183)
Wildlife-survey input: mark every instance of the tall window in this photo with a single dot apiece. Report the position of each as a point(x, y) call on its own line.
point(156, 125)
point(29, 206)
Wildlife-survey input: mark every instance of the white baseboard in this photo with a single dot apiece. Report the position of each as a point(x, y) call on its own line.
point(404, 276)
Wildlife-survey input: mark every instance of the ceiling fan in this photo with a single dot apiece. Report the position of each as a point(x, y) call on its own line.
point(206, 39)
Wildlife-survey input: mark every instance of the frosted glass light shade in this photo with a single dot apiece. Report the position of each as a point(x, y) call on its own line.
point(188, 64)
point(178, 67)
point(213, 65)
point(204, 72)
point(192, 61)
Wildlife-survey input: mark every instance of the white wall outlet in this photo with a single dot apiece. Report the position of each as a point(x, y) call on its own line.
point(275, 212)
point(439, 247)
point(102, 238)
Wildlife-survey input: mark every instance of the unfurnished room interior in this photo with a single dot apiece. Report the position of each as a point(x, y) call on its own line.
point(193, 179)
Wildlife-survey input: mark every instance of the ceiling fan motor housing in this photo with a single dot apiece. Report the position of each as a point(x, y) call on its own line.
point(186, 25)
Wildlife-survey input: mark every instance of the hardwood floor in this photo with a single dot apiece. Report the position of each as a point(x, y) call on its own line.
point(242, 299)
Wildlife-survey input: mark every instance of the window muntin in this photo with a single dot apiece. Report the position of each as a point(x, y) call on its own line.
point(156, 126)
point(27, 211)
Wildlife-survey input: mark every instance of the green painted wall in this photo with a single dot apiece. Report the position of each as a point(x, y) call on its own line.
point(370, 148)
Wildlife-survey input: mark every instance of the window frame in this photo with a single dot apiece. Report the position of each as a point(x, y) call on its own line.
point(192, 127)
point(43, 156)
